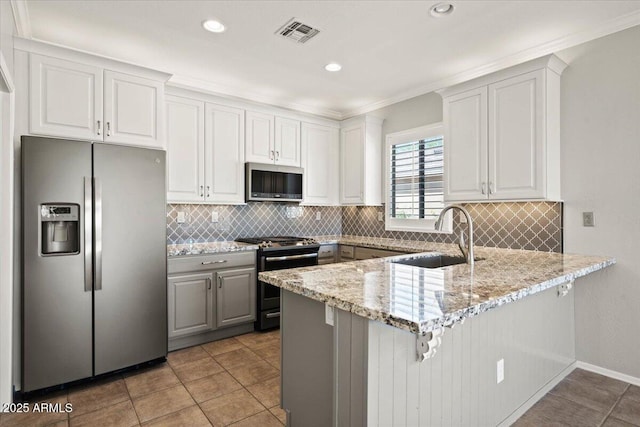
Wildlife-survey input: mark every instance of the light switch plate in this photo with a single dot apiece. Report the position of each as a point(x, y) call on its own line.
point(588, 219)
point(462, 218)
point(318, 216)
point(500, 371)
point(182, 218)
point(380, 216)
point(214, 216)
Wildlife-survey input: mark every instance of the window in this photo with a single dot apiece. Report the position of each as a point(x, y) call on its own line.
point(413, 178)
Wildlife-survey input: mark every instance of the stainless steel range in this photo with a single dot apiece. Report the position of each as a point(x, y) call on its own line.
point(277, 253)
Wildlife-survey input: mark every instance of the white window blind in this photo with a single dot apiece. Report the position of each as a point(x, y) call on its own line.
point(416, 173)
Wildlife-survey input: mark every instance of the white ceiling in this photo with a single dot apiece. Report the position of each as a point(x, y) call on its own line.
point(390, 50)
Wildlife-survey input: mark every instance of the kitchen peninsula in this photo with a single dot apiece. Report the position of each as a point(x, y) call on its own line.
point(354, 335)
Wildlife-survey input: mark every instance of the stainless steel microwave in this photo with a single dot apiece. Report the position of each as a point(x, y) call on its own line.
point(273, 183)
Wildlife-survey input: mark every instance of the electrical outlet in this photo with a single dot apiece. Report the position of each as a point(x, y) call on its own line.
point(500, 371)
point(380, 216)
point(462, 218)
point(328, 314)
point(214, 216)
point(182, 217)
point(588, 219)
point(318, 216)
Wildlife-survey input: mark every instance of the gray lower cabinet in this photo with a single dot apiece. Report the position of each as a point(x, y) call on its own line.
point(370, 253)
point(190, 300)
point(210, 297)
point(327, 254)
point(236, 292)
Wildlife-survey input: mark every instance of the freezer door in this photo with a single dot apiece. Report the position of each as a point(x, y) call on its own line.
point(56, 324)
point(130, 297)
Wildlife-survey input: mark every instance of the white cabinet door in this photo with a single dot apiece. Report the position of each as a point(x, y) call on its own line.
point(320, 163)
point(287, 142)
point(65, 98)
point(236, 296)
point(133, 110)
point(516, 137)
point(185, 149)
point(465, 145)
point(224, 154)
point(190, 300)
point(352, 146)
point(259, 133)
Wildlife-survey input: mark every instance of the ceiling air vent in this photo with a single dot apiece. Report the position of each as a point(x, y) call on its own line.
point(297, 31)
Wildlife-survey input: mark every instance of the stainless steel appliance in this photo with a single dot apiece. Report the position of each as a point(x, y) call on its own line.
point(277, 253)
point(94, 259)
point(274, 183)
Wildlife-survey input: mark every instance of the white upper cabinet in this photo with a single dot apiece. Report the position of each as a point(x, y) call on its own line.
point(272, 139)
point(205, 152)
point(224, 153)
point(74, 100)
point(185, 149)
point(361, 161)
point(320, 147)
point(502, 134)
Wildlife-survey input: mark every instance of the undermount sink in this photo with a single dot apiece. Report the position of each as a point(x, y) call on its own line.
point(435, 261)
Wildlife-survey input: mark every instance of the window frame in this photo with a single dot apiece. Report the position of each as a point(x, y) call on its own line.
point(410, 224)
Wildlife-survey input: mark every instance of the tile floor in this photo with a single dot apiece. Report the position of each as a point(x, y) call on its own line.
point(237, 382)
point(230, 382)
point(586, 399)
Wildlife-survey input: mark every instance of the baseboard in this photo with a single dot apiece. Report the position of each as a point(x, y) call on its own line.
point(608, 373)
point(537, 396)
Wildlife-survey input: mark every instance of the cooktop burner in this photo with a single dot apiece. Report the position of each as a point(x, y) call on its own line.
point(278, 241)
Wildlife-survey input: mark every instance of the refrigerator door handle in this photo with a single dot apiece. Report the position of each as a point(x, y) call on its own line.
point(98, 231)
point(88, 240)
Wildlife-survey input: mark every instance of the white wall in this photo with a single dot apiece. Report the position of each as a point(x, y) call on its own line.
point(419, 111)
point(7, 29)
point(601, 173)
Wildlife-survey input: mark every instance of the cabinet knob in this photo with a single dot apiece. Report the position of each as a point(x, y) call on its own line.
point(201, 191)
point(108, 129)
point(482, 187)
point(271, 155)
point(98, 127)
point(209, 283)
point(490, 187)
point(220, 282)
point(208, 191)
point(277, 155)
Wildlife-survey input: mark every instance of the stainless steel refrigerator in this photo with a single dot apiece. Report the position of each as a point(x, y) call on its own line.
point(94, 259)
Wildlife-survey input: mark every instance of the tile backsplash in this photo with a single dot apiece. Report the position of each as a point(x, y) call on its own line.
point(250, 220)
point(516, 225)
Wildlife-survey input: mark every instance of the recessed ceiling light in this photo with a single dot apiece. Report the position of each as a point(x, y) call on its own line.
point(441, 9)
point(333, 66)
point(213, 26)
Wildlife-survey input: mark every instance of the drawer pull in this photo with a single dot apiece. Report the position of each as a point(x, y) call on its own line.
point(214, 262)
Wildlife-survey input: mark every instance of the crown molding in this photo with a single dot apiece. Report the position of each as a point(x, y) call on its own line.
point(21, 18)
point(247, 95)
point(609, 27)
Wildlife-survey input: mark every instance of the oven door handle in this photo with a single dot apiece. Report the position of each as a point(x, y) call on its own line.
point(290, 257)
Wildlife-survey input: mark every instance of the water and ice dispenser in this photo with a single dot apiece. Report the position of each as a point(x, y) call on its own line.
point(60, 229)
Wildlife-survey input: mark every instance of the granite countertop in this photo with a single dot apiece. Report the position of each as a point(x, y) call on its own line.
point(208, 248)
point(423, 300)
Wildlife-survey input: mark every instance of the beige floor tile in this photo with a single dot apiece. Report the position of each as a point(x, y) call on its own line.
point(161, 403)
point(553, 410)
point(151, 380)
point(64, 423)
point(191, 416)
point(119, 415)
point(186, 355)
point(261, 419)
point(275, 362)
point(197, 369)
point(585, 393)
point(257, 339)
point(267, 392)
point(231, 407)
point(235, 358)
point(223, 346)
point(253, 373)
point(627, 410)
point(598, 381)
point(613, 422)
point(268, 351)
point(212, 386)
point(279, 413)
point(101, 394)
point(37, 419)
point(633, 393)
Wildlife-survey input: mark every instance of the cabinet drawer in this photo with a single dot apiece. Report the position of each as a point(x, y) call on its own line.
point(211, 261)
point(346, 252)
point(369, 253)
point(327, 251)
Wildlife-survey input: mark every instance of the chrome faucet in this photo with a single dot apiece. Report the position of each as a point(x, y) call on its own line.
point(467, 250)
